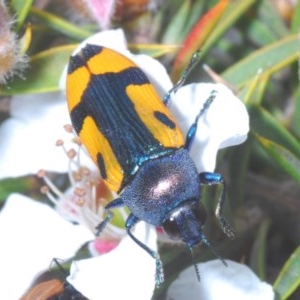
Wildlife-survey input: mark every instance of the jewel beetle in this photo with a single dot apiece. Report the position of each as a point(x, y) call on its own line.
point(52, 285)
point(139, 148)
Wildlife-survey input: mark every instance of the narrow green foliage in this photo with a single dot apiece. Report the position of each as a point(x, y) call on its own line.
point(295, 26)
point(270, 16)
point(265, 124)
point(21, 9)
point(61, 25)
point(284, 158)
point(234, 11)
point(288, 279)
point(258, 253)
point(173, 33)
point(267, 60)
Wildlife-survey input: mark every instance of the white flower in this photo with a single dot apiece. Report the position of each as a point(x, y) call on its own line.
point(127, 272)
point(28, 137)
point(31, 235)
point(29, 144)
point(235, 282)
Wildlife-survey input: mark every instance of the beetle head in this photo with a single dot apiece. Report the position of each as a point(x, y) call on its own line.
point(185, 223)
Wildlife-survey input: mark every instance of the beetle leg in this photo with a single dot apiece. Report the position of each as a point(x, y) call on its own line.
point(193, 129)
point(208, 178)
point(113, 204)
point(131, 221)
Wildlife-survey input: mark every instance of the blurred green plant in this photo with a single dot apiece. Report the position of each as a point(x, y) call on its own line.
point(251, 45)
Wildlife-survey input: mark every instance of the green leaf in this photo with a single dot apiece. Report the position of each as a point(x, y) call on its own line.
point(173, 33)
point(258, 253)
point(153, 50)
point(239, 164)
point(253, 92)
point(263, 123)
point(44, 73)
point(17, 185)
point(289, 277)
point(268, 59)
point(296, 112)
point(198, 8)
point(61, 25)
point(270, 16)
point(286, 159)
point(21, 9)
point(260, 33)
point(234, 11)
point(295, 26)
point(197, 37)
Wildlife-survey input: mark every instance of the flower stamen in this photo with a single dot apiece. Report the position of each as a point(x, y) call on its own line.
point(85, 201)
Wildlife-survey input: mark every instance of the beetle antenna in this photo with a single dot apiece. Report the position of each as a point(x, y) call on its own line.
point(195, 264)
point(193, 61)
point(208, 244)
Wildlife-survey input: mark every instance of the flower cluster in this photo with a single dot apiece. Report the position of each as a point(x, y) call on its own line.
point(33, 233)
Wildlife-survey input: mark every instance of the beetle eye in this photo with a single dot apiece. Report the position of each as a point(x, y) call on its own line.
point(185, 221)
point(171, 228)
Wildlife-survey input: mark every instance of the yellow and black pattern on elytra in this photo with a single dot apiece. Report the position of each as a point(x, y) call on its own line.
point(117, 114)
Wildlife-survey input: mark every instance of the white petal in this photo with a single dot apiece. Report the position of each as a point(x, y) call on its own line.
point(113, 39)
point(225, 123)
point(235, 282)
point(127, 272)
point(31, 235)
point(29, 137)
